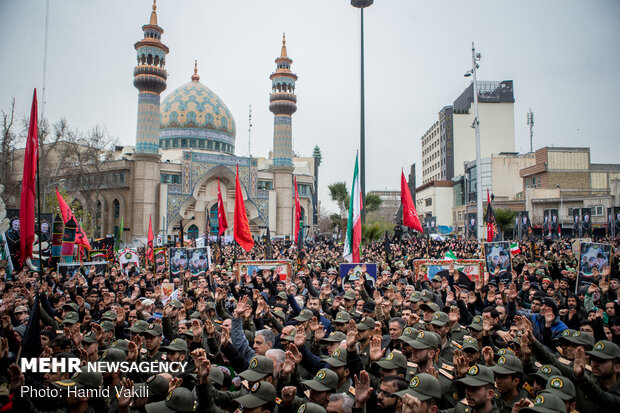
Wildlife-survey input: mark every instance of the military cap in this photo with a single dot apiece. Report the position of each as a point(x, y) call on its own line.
point(338, 358)
point(261, 393)
point(581, 339)
point(209, 305)
point(476, 323)
point(436, 278)
point(176, 304)
point(68, 306)
point(107, 325)
point(429, 306)
point(478, 375)
point(546, 403)
point(21, 309)
point(508, 365)
point(416, 296)
point(121, 344)
point(506, 351)
point(259, 368)
point(546, 371)
point(439, 319)
point(427, 296)
point(282, 296)
point(349, 295)
point(409, 334)
point(342, 317)
point(332, 271)
point(113, 354)
point(180, 399)
point(178, 344)
point(567, 333)
point(90, 338)
point(309, 407)
point(335, 337)
point(423, 387)
point(81, 379)
point(71, 318)
point(139, 326)
point(424, 340)
point(109, 315)
point(605, 350)
point(157, 387)
point(154, 329)
point(562, 387)
point(304, 315)
point(290, 337)
point(366, 323)
point(324, 380)
point(470, 343)
point(393, 361)
point(216, 376)
point(195, 315)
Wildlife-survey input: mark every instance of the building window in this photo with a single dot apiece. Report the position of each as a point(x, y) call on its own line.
point(209, 144)
point(192, 232)
point(266, 185)
point(192, 143)
point(429, 201)
point(170, 179)
point(597, 211)
point(167, 143)
point(570, 212)
point(175, 143)
point(183, 143)
point(116, 206)
point(213, 220)
point(201, 143)
point(217, 146)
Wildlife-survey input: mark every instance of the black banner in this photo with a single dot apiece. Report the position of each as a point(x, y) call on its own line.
point(586, 222)
point(576, 223)
point(471, 226)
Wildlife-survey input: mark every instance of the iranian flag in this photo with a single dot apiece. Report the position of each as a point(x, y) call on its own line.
point(450, 255)
point(514, 248)
point(352, 243)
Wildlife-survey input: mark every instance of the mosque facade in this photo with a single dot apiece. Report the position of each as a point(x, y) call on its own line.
point(185, 144)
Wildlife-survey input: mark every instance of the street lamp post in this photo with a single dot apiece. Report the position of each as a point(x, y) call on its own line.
point(362, 4)
point(45, 191)
point(475, 57)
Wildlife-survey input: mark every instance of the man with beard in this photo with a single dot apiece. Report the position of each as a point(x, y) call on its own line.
point(386, 396)
point(602, 386)
point(112, 379)
point(426, 391)
point(479, 391)
point(508, 375)
point(321, 387)
point(364, 329)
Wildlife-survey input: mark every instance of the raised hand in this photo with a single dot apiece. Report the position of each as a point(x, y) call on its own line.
point(17, 378)
point(314, 324)
point(516, 408)
point(175, 383)
point(132, 352)
point(411, 404)
point(487, 355)
point(124, 398)
point(375, 349)
point(204, 368)
point(209, 328)
point(300, 338)
point(579, 364)
point(454, 316)
point(295, 353)
point(224, 336)
point(351, 335)
point(362, 389)
point(320, 333)
point(288, 395)
point(459, 363)
point(4, 348)
point(289, 365)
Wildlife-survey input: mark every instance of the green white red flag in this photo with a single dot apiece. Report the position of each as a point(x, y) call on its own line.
point(353, 240)
point(514, 248)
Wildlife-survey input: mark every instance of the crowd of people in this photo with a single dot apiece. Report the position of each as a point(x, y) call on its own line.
point(534, 340)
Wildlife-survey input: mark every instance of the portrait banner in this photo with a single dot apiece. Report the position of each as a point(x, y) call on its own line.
point(198, 260)
point(282, 268)
point(592, 257)
point(160, 260)
point(69, 270)
point(586, 222)
point(178, 260)
point(497, 258)
point(473, 269)
point(576, 223)
point(355, 271)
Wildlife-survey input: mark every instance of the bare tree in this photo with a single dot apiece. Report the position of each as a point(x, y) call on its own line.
point(7, 153)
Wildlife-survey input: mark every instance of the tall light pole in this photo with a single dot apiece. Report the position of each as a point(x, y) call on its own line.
point(475, 57)
point(362, 4)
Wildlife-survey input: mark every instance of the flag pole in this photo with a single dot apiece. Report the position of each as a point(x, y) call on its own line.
point(39, 211)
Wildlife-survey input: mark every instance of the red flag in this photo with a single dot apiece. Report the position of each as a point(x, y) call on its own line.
point(241, 229)
point(26, 206)
point(410, 216)
point(491, 222)
point(67, 214)
point(149, 251)
point(221, 213)
point(297, 212)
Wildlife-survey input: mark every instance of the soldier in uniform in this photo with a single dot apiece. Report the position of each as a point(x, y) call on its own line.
point(152, 338)
point(426, 389)
point(178, 400)
point(508, 378)
point(479, 392)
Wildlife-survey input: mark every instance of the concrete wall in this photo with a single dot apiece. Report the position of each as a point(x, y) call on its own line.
point(441, 204)
point(497, 133)
point(568, 160)
point(505, 174)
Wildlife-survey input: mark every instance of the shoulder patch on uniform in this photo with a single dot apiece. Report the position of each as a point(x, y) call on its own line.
point(352, 390)
point(445, 373)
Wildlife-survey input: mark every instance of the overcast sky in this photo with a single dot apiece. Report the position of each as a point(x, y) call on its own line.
point(563, 56)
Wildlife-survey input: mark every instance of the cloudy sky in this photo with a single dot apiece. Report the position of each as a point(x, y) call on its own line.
point(563, 56)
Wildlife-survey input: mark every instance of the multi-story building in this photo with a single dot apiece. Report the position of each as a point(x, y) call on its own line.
point(450, 141)
point(435, 199)
point(565, 179)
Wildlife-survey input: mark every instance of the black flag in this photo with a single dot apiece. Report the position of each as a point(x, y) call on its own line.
point(386, 245)
point(268, 250)
point(31, 345)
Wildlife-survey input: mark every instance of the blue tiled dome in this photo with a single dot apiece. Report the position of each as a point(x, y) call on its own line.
point(193, 113)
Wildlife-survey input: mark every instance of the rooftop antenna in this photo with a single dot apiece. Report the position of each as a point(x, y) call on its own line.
point(530, 122)
point(250, 132)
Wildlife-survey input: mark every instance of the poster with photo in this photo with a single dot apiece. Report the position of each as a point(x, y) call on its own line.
point(69, 269)
point(472, 230)
point(576, 223)
point(617, 221)
point(592, 256)
point(497, 257)
point(199, 260)
point(524, 224)
point(178, 260)
point(160, 260)
point(586, 222)
point(281, 269)
point(357, 271)
point(473, 269)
